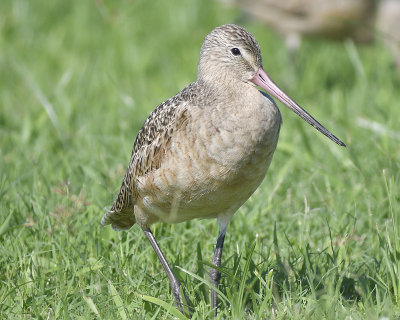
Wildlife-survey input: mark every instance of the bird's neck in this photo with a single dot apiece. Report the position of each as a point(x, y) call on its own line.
point(226, 87)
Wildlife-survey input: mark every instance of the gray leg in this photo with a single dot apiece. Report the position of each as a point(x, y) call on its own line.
point(175, 284)
point(215, 275)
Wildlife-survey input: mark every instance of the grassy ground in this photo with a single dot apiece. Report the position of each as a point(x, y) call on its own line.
point(318, 240)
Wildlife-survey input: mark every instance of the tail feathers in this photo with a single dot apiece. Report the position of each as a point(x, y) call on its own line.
point(121, 216)
point(122, 220)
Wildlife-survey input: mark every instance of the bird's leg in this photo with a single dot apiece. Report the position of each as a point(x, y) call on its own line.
point(215, 274)
point(175, 284)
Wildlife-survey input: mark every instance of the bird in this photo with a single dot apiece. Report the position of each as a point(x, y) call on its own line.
point(333, 19)
point(203, 152)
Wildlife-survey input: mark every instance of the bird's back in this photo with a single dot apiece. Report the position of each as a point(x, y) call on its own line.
point(147, 154)
point(149, 150)
point(196, 157)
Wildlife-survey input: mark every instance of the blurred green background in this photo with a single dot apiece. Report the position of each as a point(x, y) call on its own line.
point(77, 81)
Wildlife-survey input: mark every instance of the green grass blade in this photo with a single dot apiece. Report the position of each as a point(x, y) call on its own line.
point(91, 305)
point(240, 298)
point(118, 301)
point(4, 225)
point(168, 307)
point(220, 294)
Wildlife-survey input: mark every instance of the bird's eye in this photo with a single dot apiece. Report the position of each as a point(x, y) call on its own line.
point(235, 51)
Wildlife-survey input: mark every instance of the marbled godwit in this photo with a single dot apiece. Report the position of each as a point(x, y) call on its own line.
point(333, 19)
point(202, 153)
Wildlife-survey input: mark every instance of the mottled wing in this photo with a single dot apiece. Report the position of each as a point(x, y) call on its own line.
point(148, 153)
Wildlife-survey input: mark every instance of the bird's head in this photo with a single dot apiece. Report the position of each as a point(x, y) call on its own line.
point(231, 55)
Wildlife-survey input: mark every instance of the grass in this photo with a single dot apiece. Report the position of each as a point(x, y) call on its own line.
point(318, 240)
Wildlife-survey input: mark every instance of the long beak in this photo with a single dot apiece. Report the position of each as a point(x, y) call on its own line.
point(264, 81)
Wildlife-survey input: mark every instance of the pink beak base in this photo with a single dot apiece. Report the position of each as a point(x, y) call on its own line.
point(262, 80)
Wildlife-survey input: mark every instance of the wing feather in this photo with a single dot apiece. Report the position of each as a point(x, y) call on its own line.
point(149, 150)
